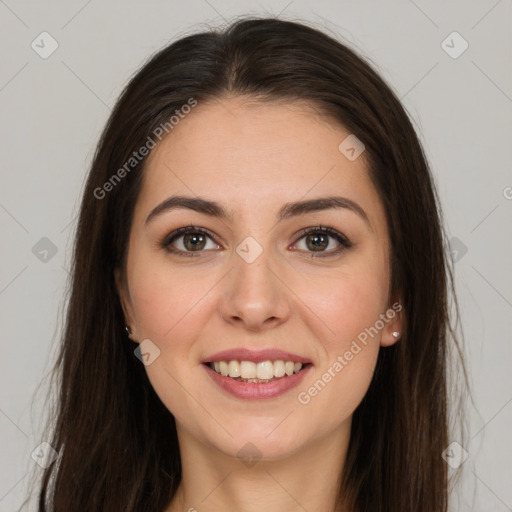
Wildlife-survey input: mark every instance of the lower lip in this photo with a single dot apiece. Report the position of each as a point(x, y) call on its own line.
point(257, 390)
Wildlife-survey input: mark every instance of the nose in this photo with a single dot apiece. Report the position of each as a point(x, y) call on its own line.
point(255, 296)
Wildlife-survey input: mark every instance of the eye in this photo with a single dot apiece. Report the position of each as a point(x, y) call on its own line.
point(188, 240)
point(191, 239)
point(318, 238)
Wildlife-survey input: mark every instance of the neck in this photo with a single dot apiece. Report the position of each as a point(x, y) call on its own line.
point(309, 479)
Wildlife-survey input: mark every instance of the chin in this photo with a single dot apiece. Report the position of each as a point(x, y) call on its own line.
point(259, 442)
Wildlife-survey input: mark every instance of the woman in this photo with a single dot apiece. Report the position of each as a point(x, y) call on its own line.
point(258, 312)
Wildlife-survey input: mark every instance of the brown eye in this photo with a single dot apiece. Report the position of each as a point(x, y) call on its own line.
point(187, 240)
point(318, 239)
point(193, 241)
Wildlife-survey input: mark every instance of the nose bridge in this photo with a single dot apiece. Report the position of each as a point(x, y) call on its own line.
point(256, 296)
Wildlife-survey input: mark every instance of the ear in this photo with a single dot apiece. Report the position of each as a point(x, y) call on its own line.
point(126, 302)
point(395, 323)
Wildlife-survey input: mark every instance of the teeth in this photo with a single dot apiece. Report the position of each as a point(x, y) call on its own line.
point(223, 368)
point(234, 369)
point(264, 370)
point(247, 369)
point(279, 369)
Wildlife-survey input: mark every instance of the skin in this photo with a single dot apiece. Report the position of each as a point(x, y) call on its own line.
point(252, 158)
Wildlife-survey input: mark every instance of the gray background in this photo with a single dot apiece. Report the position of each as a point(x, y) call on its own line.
point(53, 110)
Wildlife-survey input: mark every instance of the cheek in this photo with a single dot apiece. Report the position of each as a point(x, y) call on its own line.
point(167, 302)
point(171, 310)
point(349, 356)
point(349, 305)
point(348, 302)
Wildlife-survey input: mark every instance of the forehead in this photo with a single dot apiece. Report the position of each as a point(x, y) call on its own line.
point(253, 156)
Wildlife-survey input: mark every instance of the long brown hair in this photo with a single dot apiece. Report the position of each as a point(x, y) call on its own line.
point(117, 443)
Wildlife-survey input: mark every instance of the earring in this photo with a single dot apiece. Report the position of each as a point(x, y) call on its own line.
point(395, 334)
point(127, 329)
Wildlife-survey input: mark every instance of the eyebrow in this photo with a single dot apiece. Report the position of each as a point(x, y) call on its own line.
point(287, 211)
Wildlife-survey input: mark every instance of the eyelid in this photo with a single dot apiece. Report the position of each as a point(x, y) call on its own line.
point(326, 229)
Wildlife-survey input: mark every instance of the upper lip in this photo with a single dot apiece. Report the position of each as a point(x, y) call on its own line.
point(245, 354)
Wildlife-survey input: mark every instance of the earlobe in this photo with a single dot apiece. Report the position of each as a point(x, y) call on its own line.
point(125, 302)
point(393, 331)
point(390, 337)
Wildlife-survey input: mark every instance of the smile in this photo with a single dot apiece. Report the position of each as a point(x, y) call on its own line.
point(249, 371)
point(250, 380)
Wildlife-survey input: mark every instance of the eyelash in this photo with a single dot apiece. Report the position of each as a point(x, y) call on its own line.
point(341, 239)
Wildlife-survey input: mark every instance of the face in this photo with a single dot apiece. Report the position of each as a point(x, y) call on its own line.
point(259, 278)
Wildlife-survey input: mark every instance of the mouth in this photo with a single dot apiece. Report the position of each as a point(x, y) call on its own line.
point(261, 372)
point(256, 374)
point(249, 380)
